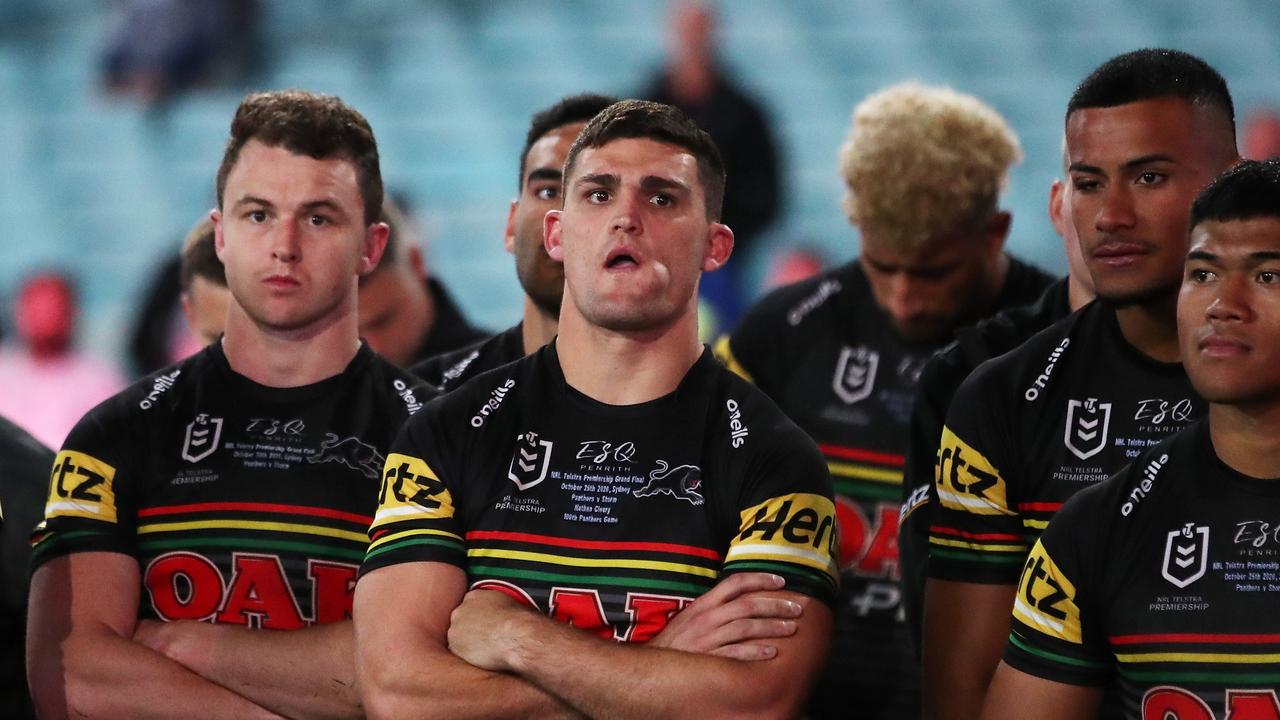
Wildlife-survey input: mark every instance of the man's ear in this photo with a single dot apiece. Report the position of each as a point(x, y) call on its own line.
point(551, 235)
point(719, 247)
point(375, 243)
point(997, 230)
point(215, 215)
point(509, 234)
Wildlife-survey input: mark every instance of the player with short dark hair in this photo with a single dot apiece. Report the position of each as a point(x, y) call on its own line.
point(841, 352)
point(203, 283)
point(198, 515)
point(619, 480)
point(1159, 584)
point(551, 133)
point(1146, 132)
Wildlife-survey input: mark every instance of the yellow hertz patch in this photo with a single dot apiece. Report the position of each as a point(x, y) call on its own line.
point(1046, 599)
point(967, 481)
point(411, 491)
point(798, 528)
point(725, 354)
point(81, 486)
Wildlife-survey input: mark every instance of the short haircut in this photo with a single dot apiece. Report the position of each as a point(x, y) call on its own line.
point(399, 238)
point(923, 162)
point(570, 110)
point(662, 123)
point(1249, 190)
point(318, 126)
point(1153, 73)
point(200, 257)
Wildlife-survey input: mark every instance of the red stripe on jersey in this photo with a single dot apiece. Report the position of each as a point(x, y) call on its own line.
point(863, 455)
point(974, 536)
point(365, 520)
point(1041, 506)
point(593, 544)
point(1195, 638)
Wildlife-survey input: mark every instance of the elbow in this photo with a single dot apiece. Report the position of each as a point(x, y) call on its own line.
point(386, 690)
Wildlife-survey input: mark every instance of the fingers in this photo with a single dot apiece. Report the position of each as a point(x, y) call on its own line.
point(747, 651)
point(757, 606)
point(751, 629)
point(740, 584)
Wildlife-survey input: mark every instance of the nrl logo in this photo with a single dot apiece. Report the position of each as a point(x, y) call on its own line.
point(203, 435)
point(530, 461)
point(855, 373)
point(1082, 435)
point(1186, 554)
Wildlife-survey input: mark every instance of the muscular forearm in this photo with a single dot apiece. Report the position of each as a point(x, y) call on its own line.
point(100, 674)
point(607, 679)
point(297, 673)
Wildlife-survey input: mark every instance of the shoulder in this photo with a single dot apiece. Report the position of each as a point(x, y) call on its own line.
point(804, 303)
point(749, 419)
point(1142, 488)
point(481, 400)
point(397, 387)
point(1024, 284)
point(1028, 369)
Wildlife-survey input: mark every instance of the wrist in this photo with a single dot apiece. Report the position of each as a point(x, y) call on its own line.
point(524, 639)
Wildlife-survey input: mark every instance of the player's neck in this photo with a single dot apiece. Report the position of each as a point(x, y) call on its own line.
point(1152, 328)
point(1077, 294)
point(1244, 437)
point(289, 358)
point(538, 327)
point(625, 368)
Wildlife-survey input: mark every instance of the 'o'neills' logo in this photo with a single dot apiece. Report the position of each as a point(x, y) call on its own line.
point(738, 430)
point(496, 396)
point(158, 388)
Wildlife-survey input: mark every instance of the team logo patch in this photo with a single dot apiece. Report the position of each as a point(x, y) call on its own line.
point(1087, 424)
point(682, 482)
point(81, 486)
point(1046, 598)
point(530, 461)
point(1186, 554)
point(203, 435)
point(855, 373)
point(350, 451)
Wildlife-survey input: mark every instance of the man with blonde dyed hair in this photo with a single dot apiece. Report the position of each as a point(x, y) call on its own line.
point(841, 352)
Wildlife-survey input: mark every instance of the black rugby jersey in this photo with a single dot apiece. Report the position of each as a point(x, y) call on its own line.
point(447, 371)
point(1162, 582)
point(1031, 428)
point(242, 503)
point(826, 353)
point(939, 382)
point(610, 517)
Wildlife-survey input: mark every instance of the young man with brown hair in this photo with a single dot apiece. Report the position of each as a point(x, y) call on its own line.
point(228, 496)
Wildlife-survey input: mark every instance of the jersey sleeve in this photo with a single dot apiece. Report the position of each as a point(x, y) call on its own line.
point(417, 517)
point(754, 349)
point(89, 506)
point(786, 518)
point(1056, 631)
point(976, 533)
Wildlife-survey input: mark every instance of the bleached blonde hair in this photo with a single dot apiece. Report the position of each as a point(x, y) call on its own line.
point(921, 162)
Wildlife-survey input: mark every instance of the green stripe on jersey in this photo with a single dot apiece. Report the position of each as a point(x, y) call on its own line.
point(866, 490)
point(442, 542)
point(783, 569)
point(1210, 678)
point(598, 580)
point(1055, 657)
point(993, 556)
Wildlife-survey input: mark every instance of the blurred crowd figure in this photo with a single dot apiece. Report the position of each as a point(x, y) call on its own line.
point(1261, 139)
point(696, 81)
point(46, 383)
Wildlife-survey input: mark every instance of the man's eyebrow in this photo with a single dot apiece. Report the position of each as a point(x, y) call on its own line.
point(1148, 159)
point(1264, 256)
point(323, 205)
point(657, 182)
point(1081, 167)
point(543, 174)
point(1203, 255)
point(606, 180)
point(253, 200)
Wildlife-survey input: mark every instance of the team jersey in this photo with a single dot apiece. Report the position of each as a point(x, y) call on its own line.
point(612, 518)
point(243, 504)
point(1031, 428)
point(939, 381)
point(1161, 583)
point(449, 370)
point(825, 352)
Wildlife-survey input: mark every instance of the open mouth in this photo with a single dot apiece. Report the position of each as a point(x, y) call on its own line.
point(621, 259)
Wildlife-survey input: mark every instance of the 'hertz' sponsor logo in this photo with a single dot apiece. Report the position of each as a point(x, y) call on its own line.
point(496, 396)
point(411, 402)
point(411, 491)
point(812, 302)
point(738, 430)
point(967, 481)
point(1042, 379)
point(158, 388)
point(1046, 598)
point(798, 528)
point(1140, 491)
point(81, 486)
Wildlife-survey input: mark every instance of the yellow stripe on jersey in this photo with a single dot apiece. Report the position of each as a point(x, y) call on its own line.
point(723, 351)
point(396, 536)
point(594, 562)
point(865, 472)
point(798, 528)
point(983, 546)
point(967, 481)
point(359, 537)
point(411, 490)
point(81, 486)
point(1172, 657)
point(1046, 599)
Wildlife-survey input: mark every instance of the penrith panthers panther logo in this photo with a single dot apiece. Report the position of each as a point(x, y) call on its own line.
point(682, 482)
point(350, 452)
